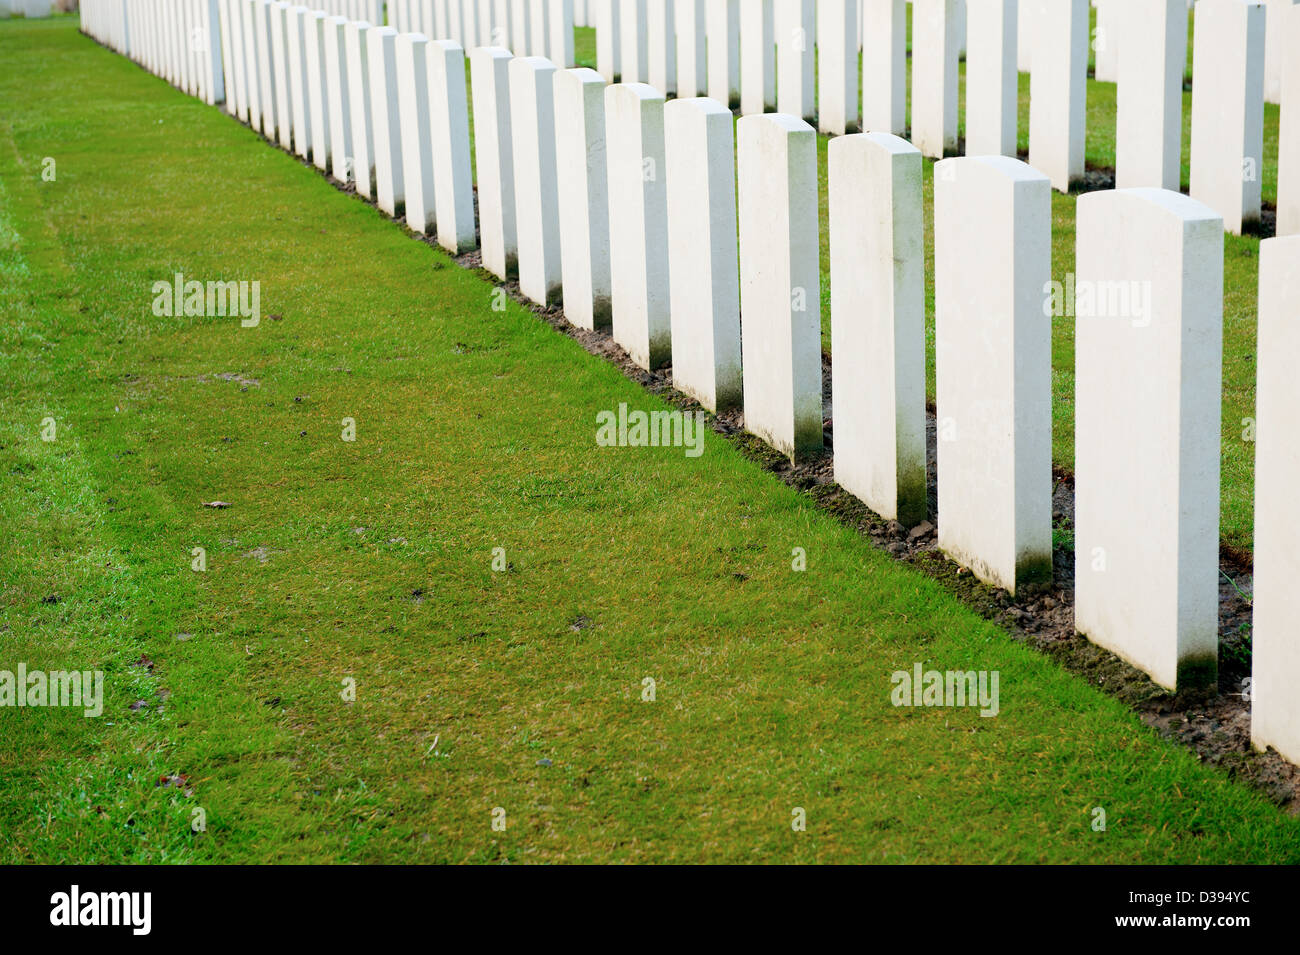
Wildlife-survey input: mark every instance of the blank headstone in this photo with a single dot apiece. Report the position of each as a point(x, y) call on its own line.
point(340, 110)
point(638, 222)
point(296, 24)
point(1148, 369)
point(356, 42)
point(560, 44)
point(609, 39)
point(1149, 126)
point(991, 78)
point(723, 50)
point(993, 366)
point(252, 83)
point(1112, 21)
point(417, 139)
point(1275, 651)
point(837, 77)
point(494, 158)
point(780, 282)
point(227, 62)
point(583, 183)
point(1228, 113)
point(934, 77)
point(1058, 92)
point(633, 25)
point(796, 36)
point(317, 93)
point(692, 30)
point(1278, 50)
point(537, 214)
point(265, 67)
point(878, 323)
point(278, 17)
point(884, 66)
point(757, 56)
point(1288, 151)
point(453, 176)
point(661, 46)
point(703, 258)
point(385, 115)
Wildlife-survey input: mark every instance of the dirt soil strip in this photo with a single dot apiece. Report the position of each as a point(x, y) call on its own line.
point(1216, 726)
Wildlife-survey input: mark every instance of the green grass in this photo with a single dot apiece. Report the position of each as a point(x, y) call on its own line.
point(372, 561)
point(1241, 276)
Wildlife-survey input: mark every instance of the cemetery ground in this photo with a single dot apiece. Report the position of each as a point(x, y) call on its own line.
point(372, 561)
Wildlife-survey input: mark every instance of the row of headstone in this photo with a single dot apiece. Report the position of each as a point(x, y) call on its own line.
point(178, 40)
point(527, 27)
point(632, 212)
point(31, 9)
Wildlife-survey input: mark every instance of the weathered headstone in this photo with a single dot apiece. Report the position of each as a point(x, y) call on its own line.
point(1148, 368)
point(1228, 113)
point(1275, 652)
point(993, 366)
point(878, 322)
point(537, 214)
point(703, 260)
point(583, 183)
point(780, 283)
point(494, 158)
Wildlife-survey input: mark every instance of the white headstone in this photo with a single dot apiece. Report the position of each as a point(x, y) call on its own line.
point(252, 83)
point(878, 323)
point(417, 139)
point(723, 50)
point(993, 367)
point(1228, 113)
point(1275, 651)
point(385, 115)
point(991, 78)
point(934, 77)
point(609, 39)
point(1288, 136)
point(703, 260)
point(837, 76)
point(692, 68)
point(317, 93)
point(757, 56)
point(661, 46)
point(561, 38)
point(356, 43)
point(638, 223)
point(1149, 126)
point(796, 37)
point(296, 24)
point(537, 214)
point(583, 181)
point(278, 14)
point(337, 90)
point(884, 66)
point(1112, 22)
point(453, 175)
point(1058, 92)
point(494, 159)
point(634, 32)
point(1148, 369)
point(1278, 51)
point(780, 282)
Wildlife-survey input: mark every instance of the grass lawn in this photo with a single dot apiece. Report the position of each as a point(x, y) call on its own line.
point(371, 561)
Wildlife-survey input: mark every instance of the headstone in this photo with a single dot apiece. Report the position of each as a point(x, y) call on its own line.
point(1148, 371)
point(1149, 126)
point(884, 66)
point(991, 78)
point(1058, 91)
point(1288, 151)
point(296, 24)
point(417, 139)
point(837, 77)
point(878, 323)
point(561, 38)
point(1112, 21)
point(692, 67)
point(278, 14)
point(453, 176)
point(1275, 652)
point(703, 260)
point(252, 83)
point(780, 283)
point(494, 157)
point(356, 43)
point(385, 115)
point(317, 93)
point(661, 46)
point(1278, 51)
point(537, 214)
point(638, 223)
point(337, 91)
point(609, 39)
point(934, 77)
point(993, 367)
point(1228, 113)
point(723, 51)
point(583, 185)
point(757, 56)
point(796, 34)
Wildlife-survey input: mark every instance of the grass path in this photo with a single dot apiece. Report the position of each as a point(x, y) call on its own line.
point(372, 561)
